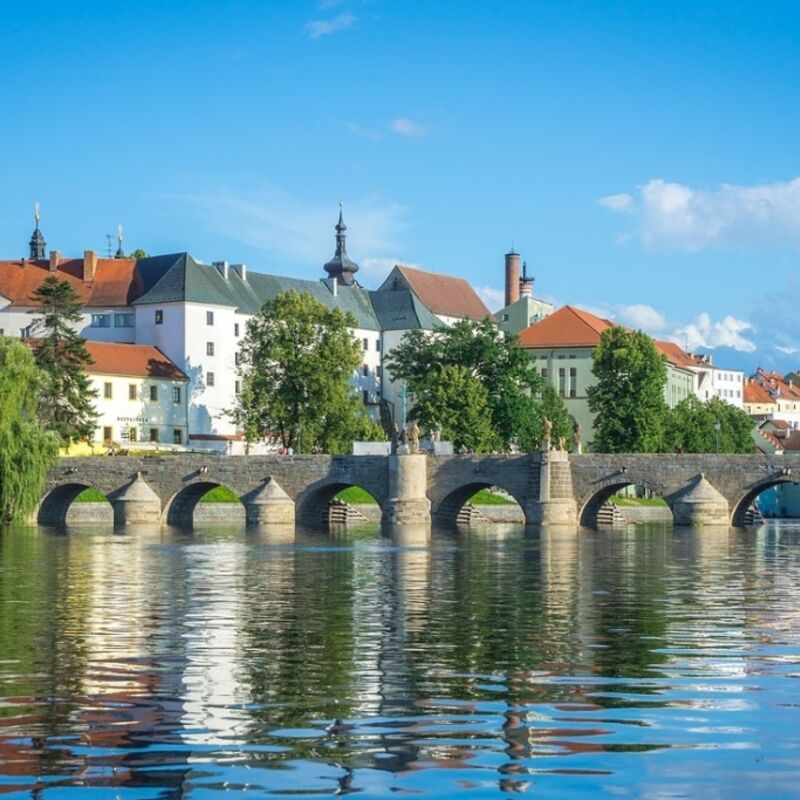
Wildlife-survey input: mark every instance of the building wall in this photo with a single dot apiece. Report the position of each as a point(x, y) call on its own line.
point(680, 385)
point(526, 311)
point(128, 416)
point(16, 321)
point(725, 384)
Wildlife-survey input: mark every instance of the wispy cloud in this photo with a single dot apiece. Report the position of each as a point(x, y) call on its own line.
point(363, 133)
point(293, 229)
point(317, 28)
point(495, 299)
point(703, 333)
point(672, 216)
point(642, 317)
point(403, 126)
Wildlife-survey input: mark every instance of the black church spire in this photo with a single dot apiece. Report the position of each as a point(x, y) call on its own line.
point(340, 266)
point(37, 242)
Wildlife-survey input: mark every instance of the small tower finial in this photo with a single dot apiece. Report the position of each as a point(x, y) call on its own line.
point(120, 252)
point(36, 215)
point(37, 243)
point(340, 266)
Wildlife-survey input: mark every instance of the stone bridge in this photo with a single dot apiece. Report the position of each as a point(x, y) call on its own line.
point(551, 488)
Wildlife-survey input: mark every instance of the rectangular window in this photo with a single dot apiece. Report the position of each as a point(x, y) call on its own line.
point(107, 434)
point(209, 379)
point(101, 320)
point(209, 317)
point(366, 396)
point(377, 345)
point(544, 372)
point(562, 382)
point(154, 435)
point(132, 393)
point(209, 348)
point(235, 328)
point(154, 394)
point(159, 316)
point(132, 434)
point(177, 436)
point(573, 382)
point(365, 343)
point(124, 320)
point(107, 391)
point(378, 371)
point(237, 388)
point(236, 359)
point(505, 317)
point(176, 394)
point(365, 370)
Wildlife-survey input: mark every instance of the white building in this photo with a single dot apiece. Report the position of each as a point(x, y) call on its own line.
point(711, 381)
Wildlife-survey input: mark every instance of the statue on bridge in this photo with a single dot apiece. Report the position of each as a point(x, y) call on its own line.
point(548, 432)
point(413, 437)
point(577, 444)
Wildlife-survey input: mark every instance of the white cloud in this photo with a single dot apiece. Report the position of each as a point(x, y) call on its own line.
point(364, 133)
point(291, 228)
point(324, 27)
point(403, 126)
point(495, 299)
point(705, 334)
point(672, 216)
point(617, 202)
point(641, 317)
point(787, 351)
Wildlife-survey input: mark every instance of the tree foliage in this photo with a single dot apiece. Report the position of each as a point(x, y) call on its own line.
point(138, 253)
point(628, 397)
point(66, 396)
point(691, 427)
point(484, 357)
point(553, 408)
point(296, 362)
point(27, 451)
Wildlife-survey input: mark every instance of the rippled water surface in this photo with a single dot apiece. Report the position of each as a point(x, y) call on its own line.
point(157, 664)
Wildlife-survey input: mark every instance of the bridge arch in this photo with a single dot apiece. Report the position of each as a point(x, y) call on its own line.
point(55, 506)
point(590, 505)
point(314, 501)
point(741, 507)
point(179, 510)
point(446, 511)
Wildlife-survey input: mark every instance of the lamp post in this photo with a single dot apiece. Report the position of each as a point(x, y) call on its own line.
point(717, 426)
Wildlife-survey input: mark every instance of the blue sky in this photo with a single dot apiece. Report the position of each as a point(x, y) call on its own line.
point(642, 157)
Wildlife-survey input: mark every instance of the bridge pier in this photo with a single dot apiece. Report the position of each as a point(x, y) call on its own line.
point(269, 505)
point(554, 503)
point(408, 501)
point(701, 504)
point(136, 503)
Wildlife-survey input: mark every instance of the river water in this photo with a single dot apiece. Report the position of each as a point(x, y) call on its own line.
point(645, 662)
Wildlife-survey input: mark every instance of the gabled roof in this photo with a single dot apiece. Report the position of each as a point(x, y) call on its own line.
point(444, 295)
point(776, 385)
point(136, 360)
point(754, 392)
point(675, 355)
point(567, 327)
point(402, 310)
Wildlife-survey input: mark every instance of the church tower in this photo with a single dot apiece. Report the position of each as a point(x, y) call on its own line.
point(37, 243)
point(340, 266)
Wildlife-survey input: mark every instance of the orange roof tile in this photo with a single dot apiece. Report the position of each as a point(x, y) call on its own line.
point(676, 355)
point(567, 327)
point(754, 392)
point(136, 360)
point(445, 294)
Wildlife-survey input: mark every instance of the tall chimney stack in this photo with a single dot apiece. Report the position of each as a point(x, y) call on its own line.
point(525, 283)
point(89, 265)
point(512, 277)
point(55, 258)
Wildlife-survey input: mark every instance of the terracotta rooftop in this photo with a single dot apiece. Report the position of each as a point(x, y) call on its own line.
point(775, 383)
point(567, 327)
point(442, 294)
point(115, 282)
point(754, 392)
point(136, 360)
point(676, 355)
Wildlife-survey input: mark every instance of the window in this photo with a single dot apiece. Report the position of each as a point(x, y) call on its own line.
point(132, 393)
point(159, 316)
point(237, 387)
point(378, 371)
point(209, 379)
point(366, 397)
point(25, 332)
point(573, 382)
point(107, 434)
point(366, 343)
point(562, 382)
point(365, 370)
point(235, 328)
point(544, 372)
point(154, 437)
point(209, 317)
point(124, 320)
point(132, 434)
point(177, 436)
point(209, 348)
point(505, 317)
point(101, 320)
point(377, 345)
point(176, 394)
point(154, 394)
point(236, 359)
point(107, 391)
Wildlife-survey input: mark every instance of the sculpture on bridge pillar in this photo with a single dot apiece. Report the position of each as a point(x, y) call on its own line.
point(577, 444)
point(548, 432)
point(413, 437)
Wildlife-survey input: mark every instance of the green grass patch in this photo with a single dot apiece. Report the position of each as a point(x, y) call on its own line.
point(486, 498)
point(617, 500)
point(90, 495)
point(356, 496)
point(219, 494)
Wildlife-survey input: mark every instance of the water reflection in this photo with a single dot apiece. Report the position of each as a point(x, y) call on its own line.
point(498, 659)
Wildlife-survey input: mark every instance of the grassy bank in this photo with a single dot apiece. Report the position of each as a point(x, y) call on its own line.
point(618, 500)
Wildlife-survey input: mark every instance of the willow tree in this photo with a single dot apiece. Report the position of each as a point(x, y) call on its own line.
point(27, 450)
point(66, 395)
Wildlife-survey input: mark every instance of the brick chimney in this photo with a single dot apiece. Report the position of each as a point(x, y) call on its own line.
point(89, 265)
point(55, 257)
point(512, 277)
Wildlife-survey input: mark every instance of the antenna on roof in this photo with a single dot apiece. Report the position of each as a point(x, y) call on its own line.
point(120, 252)
point(109, 243)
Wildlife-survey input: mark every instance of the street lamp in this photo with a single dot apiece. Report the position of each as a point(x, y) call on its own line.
point(717, 426)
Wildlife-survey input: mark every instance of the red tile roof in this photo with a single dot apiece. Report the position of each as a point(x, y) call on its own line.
point(136, 360)
point(567, 327)
point(115, 283)
point(444, 294)
point(676, 355)
point(775, 382)
point(754, 392)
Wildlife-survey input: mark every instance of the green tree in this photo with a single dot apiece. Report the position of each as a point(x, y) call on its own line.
point(296, 362)
point(628, 398)
point(66, 403)
point(138, 253)
point(691, 426)
point(27, 451)
point(553, 408)
point(493, 360)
